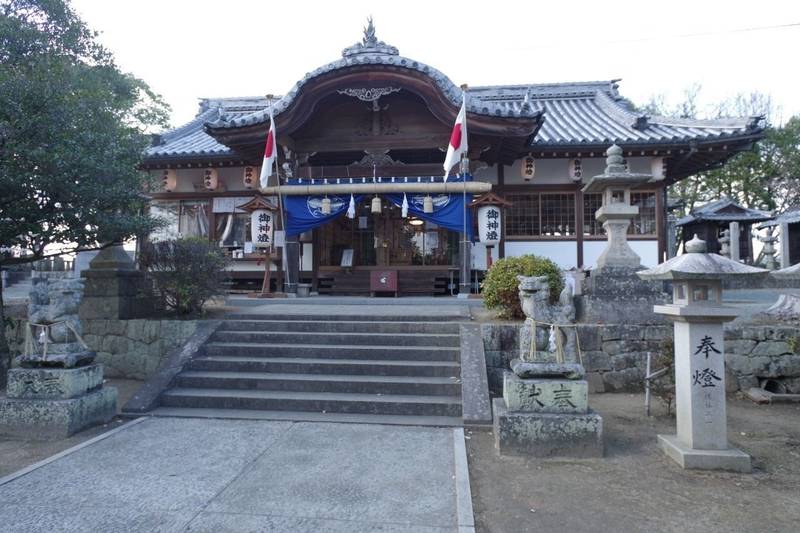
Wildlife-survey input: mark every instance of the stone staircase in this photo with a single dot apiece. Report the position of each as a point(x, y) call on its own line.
point(345, 368)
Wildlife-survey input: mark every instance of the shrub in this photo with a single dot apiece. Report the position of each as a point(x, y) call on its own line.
point(186, 272)
point(500, 287)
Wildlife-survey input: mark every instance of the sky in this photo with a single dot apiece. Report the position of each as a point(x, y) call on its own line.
point(186, 50)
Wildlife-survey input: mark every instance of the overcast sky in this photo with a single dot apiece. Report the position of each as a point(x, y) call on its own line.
point(190, 49)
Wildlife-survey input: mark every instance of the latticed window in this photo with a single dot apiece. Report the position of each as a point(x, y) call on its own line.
point(540, 214)
point(522, 218)
point(591, 203)
point(645, 222)
point(558, 214)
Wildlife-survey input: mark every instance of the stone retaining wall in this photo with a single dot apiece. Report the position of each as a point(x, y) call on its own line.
point(615, 356)
point(132, 349)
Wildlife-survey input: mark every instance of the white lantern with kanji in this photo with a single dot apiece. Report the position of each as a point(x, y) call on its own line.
point(169, 179)
point(527, 168)
point(575, 169)
point(211, 179)
point(249, 177)
point(262, 227)
point(489, 224)
point(658, 167)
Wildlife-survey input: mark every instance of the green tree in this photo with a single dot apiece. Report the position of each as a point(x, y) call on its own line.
point(72, 133)
point(766, 177)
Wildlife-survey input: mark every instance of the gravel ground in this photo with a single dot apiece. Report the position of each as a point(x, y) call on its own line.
point(635, 487)
point(16, 454)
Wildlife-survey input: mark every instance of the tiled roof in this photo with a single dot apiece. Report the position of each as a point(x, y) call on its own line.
point(724, 210)
point(789, 217)
point(575, 114)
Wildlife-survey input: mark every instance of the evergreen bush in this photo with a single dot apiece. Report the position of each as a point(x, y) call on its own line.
point(186, 272)
point(500, 287)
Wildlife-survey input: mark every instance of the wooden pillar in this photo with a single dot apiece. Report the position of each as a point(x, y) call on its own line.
point(579, 224)
point(661, 226)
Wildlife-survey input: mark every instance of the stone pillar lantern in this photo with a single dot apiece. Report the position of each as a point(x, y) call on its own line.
point(616, 213)
point(769, 241)
point(698, 314)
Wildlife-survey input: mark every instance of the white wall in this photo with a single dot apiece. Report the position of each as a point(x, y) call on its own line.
point(562, 253)
point(647, 250)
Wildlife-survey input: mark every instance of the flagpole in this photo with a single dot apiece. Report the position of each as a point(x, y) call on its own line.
point(285, 255)
point(465, 259)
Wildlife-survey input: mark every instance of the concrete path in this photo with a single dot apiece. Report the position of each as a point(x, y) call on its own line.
point(218, 476)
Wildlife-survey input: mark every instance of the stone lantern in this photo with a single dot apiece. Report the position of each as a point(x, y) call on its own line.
point(616, 213)
point(698, 314)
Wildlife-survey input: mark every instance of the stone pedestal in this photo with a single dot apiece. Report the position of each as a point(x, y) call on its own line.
point(54, 403)
point(546, 418)
point(617, 295)
point(114, 289)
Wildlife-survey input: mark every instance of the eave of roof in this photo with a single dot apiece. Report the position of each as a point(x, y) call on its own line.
point(710, 212)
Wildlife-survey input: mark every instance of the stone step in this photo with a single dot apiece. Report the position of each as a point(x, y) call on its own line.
point(388, 404)
point(325, 351)
point(336, 338)
point(305, 365)
point(339, 326)
point(307, 416)
point(361, 384)
point(347, 317)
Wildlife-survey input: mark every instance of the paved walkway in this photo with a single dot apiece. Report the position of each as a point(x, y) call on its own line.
point(176, 474)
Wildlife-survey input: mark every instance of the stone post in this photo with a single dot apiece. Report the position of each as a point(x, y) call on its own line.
point(735, 243)
point(784, 244)
point(114, 289)
point(698, 315)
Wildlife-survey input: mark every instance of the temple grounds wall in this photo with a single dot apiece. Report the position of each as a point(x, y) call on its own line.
point(131, 349)
point(615, 356)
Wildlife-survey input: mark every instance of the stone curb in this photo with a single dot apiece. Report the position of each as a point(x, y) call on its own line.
point(464, 513)
point(476, 408)
point(28, 469)
point(147, 397)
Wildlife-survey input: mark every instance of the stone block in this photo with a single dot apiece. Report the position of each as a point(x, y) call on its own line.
point(545, 395)
point(657, 333)
point(135, 329)
point(53, 383)
point(689, 458)
point(624, 346)
point(589, 337)
point(746, 382)
point(547, 434)
point(595, 382)
point(629, 379)
point(596, 360)
point(739, 346)
point(771, 348)
point(56, 419)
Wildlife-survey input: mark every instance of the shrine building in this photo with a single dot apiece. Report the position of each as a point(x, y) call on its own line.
point(373, 126)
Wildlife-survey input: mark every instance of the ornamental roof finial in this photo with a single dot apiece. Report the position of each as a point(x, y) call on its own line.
point(369, 33)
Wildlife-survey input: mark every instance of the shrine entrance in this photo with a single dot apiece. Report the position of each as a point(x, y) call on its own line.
point(424, 255)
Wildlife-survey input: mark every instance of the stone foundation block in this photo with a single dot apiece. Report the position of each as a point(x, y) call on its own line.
point(56, 419)
point(53, 383)
point(689, 458)
point(545, 395)
point(547, 434)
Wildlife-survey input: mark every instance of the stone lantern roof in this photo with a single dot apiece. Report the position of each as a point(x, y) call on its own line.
point(616, 174)
point(792, 272)
point(697, 264)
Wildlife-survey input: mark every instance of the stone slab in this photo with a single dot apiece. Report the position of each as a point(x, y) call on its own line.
point(56, 419)
point(178, 474)
point(476, 407)
point(53, 383)
point(691, 459)
point(545, 395)
point(547, 435)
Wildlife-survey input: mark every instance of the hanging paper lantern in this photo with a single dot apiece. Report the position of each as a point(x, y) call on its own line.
point(351, 208)
point(528, 168)
point(427, 205)
point(326, 206)
point(489, 224)
point(376, 205)
point(262, 227)
point(575, 169)
point(169, 179)
point(211, 179)
point(250, 176)
point(404, 207)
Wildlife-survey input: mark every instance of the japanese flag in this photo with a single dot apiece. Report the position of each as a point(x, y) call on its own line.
point(270, 153)
point(458, 140)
